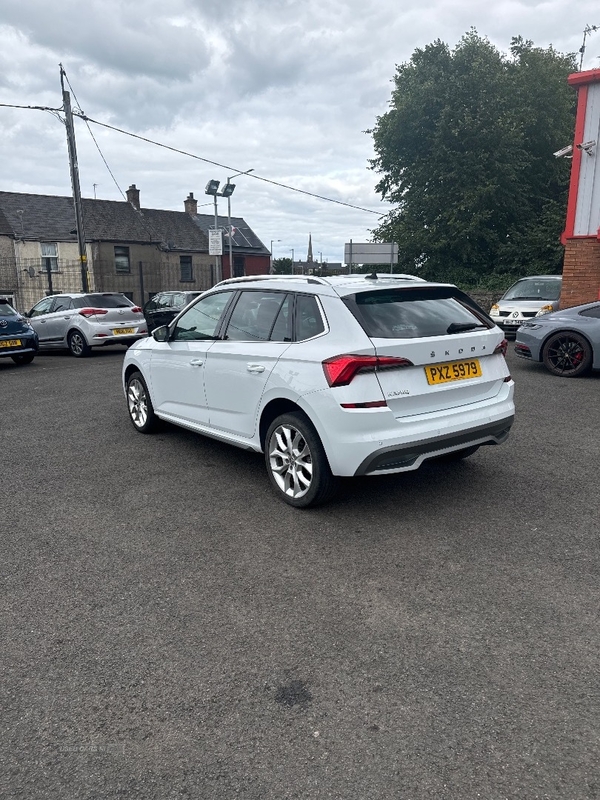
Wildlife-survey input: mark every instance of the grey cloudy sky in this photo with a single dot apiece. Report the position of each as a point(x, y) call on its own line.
point(282, 87)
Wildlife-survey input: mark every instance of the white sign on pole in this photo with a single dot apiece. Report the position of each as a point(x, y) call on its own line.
point(371, 253)
point(215, 242)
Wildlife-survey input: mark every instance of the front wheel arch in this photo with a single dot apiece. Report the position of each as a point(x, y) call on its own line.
point(567, 332)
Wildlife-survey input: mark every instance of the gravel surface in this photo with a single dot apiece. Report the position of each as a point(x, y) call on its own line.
point(172, 630)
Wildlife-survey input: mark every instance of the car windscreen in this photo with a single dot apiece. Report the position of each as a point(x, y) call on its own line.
point(6, 310)
point(534, 290)
point(102, 301)
point(415, 313)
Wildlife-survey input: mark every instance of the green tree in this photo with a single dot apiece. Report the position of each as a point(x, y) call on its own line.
point(282, 266)
point(466, 154)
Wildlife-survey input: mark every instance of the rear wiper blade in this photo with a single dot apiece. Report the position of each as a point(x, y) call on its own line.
point(457, 327)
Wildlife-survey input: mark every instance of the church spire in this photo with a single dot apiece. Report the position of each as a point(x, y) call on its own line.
point(309, 257)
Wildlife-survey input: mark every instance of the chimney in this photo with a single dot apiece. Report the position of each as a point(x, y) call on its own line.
point(133, 196)
point(191, 204)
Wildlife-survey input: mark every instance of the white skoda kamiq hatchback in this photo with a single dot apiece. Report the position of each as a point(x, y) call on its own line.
point(353, 375)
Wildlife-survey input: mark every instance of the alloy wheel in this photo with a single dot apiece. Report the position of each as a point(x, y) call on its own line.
point(137, 402)
point(290, 461)
point(565, 354)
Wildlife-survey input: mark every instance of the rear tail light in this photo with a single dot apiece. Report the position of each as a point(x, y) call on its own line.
point(502, 348)
point(136, 310)
point(93, 312)
point(340, 370)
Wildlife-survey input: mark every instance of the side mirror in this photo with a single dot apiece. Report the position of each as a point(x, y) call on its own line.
point(161, 334)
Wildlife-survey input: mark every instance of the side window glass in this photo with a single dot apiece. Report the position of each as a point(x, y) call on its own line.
point(282, 330)
point(43, 307)
point(254, 316)
point(164, 301)
point(178, 300)
point(62, 304)
point(151, 305)
point(201, 320)
point(309, 321)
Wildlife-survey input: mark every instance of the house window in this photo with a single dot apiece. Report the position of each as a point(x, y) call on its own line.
point(185, 267)
point(49, 256)
point(122, 260)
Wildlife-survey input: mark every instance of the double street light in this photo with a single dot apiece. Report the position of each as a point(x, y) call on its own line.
point(212, 188)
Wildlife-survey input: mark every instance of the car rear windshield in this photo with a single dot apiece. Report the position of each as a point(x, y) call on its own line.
point(6, 310)
point(532, 289)
point(102, 301)
point(415, 313)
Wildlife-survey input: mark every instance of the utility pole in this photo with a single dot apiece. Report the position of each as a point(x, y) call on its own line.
point(75, 182)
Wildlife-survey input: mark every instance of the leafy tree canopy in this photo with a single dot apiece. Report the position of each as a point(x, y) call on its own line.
point(466, 154)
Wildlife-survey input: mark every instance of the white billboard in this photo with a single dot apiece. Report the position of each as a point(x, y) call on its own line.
point(371, 253)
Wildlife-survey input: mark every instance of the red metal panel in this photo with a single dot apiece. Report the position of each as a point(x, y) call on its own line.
point(582, 94)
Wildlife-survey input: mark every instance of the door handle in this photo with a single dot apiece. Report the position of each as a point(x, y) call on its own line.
point(255, 368)
point(42, 321)
point(66, 317)
point(196, 362)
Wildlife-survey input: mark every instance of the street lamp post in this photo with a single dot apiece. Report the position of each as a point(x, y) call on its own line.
point(212, 188)
point(271, 255)
point(292, 260)
point(227, 192)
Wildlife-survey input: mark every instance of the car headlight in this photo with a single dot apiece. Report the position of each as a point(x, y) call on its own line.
point(494, 310)
point(530, 326)
point(544, 310)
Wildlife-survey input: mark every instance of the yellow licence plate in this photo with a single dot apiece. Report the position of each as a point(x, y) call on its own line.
point(117, 331)
point(11, 343)
point(453, 371)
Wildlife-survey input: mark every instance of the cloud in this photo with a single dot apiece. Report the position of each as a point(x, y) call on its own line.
point(284, 87)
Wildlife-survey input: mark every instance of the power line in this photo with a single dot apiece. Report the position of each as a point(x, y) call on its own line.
point(224, 166)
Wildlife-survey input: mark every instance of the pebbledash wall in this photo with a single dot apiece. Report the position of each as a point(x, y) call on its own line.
point(581, 238)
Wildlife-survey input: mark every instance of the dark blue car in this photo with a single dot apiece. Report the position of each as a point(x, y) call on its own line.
point(18, 340)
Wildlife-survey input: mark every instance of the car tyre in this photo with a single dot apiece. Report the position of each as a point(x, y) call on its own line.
point(23, 358)
point(78, 346)
point(568, 355)
point(296, 462)
point(139, 404)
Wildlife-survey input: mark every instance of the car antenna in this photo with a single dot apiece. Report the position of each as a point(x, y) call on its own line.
point(373, 276)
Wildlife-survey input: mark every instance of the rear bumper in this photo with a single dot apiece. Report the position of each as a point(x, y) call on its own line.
point(411, 456)
point(374, 441)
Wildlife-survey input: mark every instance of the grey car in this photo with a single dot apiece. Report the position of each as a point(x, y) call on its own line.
point(527, 298)
point(77, 322)
point(568, 342)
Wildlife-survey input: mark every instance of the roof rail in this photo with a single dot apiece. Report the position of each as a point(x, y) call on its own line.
point(250, 278)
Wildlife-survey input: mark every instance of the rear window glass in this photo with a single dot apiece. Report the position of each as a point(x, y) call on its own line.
point(412, 314)
point(531, 289)
point(102, 301)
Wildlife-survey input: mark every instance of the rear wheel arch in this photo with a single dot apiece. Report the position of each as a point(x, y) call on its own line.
point(273, 409)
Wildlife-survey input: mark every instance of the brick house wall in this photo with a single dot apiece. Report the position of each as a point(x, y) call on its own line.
point(581, 272)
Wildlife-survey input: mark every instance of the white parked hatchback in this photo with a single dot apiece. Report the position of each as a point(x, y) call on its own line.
point(341, 376)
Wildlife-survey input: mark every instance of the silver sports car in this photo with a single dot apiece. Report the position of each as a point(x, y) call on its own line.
point(568, 342)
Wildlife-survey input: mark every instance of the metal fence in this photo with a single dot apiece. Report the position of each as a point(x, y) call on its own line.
point(28, 280)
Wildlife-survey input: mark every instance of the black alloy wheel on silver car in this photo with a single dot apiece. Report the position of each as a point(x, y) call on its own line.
point(296, 462)
point(78, 346)
point(568, 355)
point(23, 358)
point(139, 404)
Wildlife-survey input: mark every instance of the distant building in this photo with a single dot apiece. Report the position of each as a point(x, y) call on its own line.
point(134, 250)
